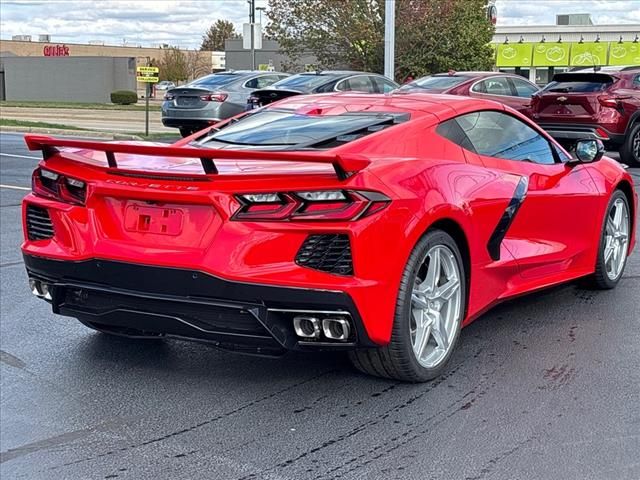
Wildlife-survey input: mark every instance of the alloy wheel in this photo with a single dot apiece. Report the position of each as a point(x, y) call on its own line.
point(616, 239)
point(635, 147)
point(435, 306)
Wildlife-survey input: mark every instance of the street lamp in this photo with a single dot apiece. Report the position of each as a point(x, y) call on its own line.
point(261, 9)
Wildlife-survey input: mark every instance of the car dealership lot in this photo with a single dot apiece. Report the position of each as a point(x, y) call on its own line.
point(546, 386)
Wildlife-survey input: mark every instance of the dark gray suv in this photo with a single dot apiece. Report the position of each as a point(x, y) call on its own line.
point(212, 98)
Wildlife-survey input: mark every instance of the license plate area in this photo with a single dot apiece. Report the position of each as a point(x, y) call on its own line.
point(141, 218)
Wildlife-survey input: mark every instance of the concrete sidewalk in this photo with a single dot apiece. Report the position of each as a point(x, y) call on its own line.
point(104, 120)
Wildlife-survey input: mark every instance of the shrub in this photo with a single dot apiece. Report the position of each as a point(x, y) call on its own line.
point(124, 97)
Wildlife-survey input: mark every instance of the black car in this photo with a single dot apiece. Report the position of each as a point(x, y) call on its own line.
point(321, 82)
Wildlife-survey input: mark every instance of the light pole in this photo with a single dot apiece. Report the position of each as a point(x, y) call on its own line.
point(252, 23)
point(389, 38)
point(261, 9)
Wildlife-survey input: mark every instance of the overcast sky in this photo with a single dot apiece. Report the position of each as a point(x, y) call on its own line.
point(182, 22)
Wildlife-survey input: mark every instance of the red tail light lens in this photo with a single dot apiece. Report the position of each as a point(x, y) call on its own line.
point(606, 101)
point(49, 184)
point(214, 97)
point(321, 205)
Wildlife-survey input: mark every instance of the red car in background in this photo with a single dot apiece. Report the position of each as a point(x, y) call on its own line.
point(512, 90)
point(378, 225)
point(604, 105)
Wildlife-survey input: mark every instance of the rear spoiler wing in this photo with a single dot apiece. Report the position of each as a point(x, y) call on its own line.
point(345, 165)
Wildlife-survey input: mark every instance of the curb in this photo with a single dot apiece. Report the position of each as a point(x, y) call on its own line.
point(70, 133)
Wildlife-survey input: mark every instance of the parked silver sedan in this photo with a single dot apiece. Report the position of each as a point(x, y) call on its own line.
point(212, 98)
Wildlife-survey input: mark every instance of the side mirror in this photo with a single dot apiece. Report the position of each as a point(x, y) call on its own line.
point(589, 151)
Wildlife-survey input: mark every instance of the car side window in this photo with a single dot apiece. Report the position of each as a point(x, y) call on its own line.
point(496, 134)
point(493, 86)
point(384, 85)
point(361, 83)
point(523, 89)
point(262, 82)
point(636, 82)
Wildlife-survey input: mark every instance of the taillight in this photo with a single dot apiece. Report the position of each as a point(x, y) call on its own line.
point(169, 96)
point(607, 101)
point(214, 97)
point(49, 184)
point(321, 205)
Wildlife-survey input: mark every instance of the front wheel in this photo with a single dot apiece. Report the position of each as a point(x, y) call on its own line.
point(429, 312)
point(630, 151)
point(614, 243)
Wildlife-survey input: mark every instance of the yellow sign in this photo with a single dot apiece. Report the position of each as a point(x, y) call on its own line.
point(147, 70)
point(148, 79)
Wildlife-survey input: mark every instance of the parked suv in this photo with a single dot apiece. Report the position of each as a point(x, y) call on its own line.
point(212, 98)
point(510, 89)
point(321, 82)
point(587, 104)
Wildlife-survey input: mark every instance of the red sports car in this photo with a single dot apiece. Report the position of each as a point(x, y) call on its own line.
point(373, 224)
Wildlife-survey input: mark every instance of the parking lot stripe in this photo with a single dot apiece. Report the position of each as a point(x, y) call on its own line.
point(19, 156)
point(13, 187)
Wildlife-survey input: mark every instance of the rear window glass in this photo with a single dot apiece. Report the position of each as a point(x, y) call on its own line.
point(436, 82)
point(213, 80)
point(287, 128)
point(303, 82)
point(579, 83)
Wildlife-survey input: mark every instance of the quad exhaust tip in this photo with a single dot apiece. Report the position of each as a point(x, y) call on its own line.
point(314, 327)
point(40, 289)
point(336, 328)
point(307, 327)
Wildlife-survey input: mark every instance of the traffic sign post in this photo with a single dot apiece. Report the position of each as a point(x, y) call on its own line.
point(147, 75)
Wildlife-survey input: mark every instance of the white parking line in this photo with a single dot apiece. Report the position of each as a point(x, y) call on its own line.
point(13, 187)
point(19, 156)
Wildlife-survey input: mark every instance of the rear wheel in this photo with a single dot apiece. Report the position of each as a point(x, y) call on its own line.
point(614, 243)
point(429, 312)
point(630, 151)
point(185, 132)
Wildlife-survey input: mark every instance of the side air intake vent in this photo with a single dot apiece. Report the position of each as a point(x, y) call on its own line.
point(328, 253)
point(39, 226)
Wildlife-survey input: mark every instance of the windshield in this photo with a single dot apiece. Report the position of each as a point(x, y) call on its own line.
point(280, 127)
point(305, 82)
point(436, 82)
point(214, 80)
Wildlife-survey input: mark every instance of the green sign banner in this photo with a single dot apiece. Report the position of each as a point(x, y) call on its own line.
point(626, 53)
point(514, 55)
point(588, 54)
point(551, 54)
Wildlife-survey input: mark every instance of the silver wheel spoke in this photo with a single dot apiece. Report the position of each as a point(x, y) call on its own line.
point(446, 291)
point(433, 273)
point(419, 301)
point(422, 337)
point(616, 239)
point(617, 216)
point(440, 334)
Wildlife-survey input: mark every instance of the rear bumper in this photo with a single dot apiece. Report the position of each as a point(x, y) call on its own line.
point(573, 131)
point(252, 318)
point(188, 123)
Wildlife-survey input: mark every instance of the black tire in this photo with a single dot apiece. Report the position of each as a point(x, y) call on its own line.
point(630, 150)
point(397, 360)
point(185, 132)
point(600, 280)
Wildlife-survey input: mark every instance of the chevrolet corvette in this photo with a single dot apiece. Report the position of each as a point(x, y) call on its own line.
point(377, 225)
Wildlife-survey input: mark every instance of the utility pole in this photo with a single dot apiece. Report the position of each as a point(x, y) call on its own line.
point(389, 38)
point(252, 22)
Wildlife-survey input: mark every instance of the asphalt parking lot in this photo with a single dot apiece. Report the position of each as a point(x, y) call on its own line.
point(543, 387)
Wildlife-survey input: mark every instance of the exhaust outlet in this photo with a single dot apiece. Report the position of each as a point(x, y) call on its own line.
point(40, 289)
point(307, 327)
point(336, 329)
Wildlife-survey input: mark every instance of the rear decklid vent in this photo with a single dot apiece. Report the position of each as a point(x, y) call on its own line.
point(328, 252)
point(39, 226)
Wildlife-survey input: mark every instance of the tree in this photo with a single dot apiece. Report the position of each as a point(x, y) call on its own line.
point(198, 63)
point(213, 39)
point(431, 35)
point(173, 65)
